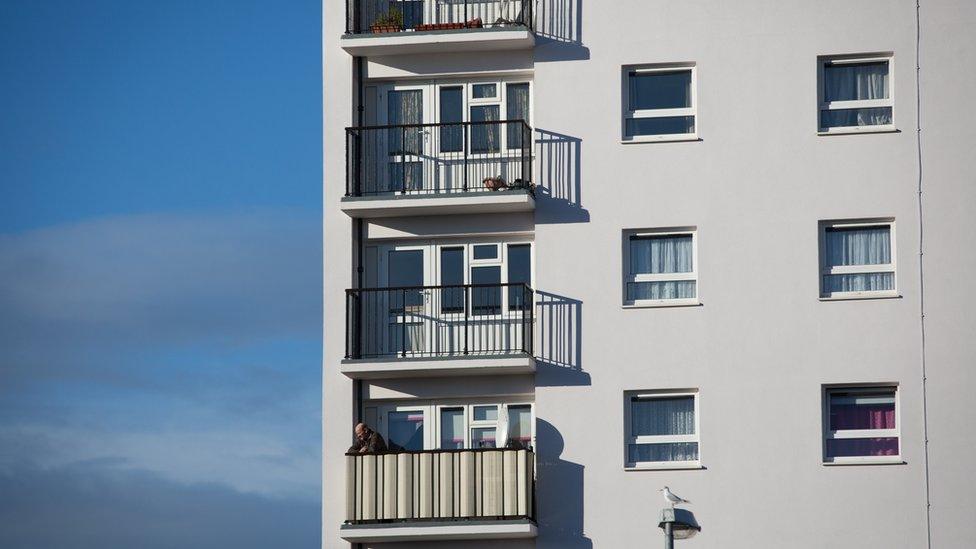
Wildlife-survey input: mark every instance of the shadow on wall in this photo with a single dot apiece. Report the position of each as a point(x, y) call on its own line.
point(559, 191)
point(559, 31)
point(559, 348)
point(559, 493)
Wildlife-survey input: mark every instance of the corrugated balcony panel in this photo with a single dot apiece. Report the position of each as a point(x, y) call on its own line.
point(439, 485)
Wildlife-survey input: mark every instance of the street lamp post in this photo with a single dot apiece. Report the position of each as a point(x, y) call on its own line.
point(677, 524)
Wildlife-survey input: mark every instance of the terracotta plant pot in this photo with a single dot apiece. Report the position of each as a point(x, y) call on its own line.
point(440, 26)
point(380, 29)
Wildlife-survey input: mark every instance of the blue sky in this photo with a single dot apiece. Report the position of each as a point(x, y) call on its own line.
point(160, 268)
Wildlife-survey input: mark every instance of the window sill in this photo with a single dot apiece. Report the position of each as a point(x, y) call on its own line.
point(663, 303)
point(891, 460)
point(858, 130)
point(856, 297)
point(660, 139)
point(684, 466)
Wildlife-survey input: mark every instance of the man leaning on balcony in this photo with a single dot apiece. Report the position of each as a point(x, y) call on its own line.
point(367, 440)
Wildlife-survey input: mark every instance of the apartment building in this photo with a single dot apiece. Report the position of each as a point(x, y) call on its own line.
point(579, 251)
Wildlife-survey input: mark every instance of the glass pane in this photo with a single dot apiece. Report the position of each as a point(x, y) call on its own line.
point(660, 90)
point(519, 270)
point(662, 416)
point(853, 447)
point(485, 138)
point(665, 125)
point(516, 108)
point(405, 108)
point(406, 429)
point(486, 413)
point(486, 300)
point(669, 289)
point(862, 282)
point(668, 451)
point(862, 410)
point(451, 110)
point(484, 91)
point(406, 269)
point(452, 428)
point(452, 280)
point(845, 118)
point(661, 254)
point(519, 426)
point(483, 438)
point(406, 176)
point(854, 81)
point(858, 245)
point(486, 251)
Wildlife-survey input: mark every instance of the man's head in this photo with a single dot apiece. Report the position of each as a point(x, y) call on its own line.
point(362, 431)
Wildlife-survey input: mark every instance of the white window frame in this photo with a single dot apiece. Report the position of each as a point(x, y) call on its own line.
point(827, 390)
point(629, 114)
point(375, 410)
point(629, 438)
point(824, 105)
point(826, 270)
point(661, 277)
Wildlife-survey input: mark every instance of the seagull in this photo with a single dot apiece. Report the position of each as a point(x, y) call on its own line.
point(671, 498)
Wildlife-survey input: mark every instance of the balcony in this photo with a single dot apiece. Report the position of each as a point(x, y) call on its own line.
point(440, 495)
point(422, 331)
point(438, 169)
point(395, 27)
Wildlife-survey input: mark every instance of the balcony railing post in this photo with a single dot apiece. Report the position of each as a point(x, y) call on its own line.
point(403, 160)
point(464, 148)
point(403, 323)
point(532, 322)
point(348, 306)
point(467, 296)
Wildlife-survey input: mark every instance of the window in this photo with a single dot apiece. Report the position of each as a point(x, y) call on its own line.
point(660, 267)
point(861, 424)
point(486, 425)
point(519, 271)
point(517, 108)
point(855, 93)
point(451, 113)
point(857, 259)
point(659, 103)
point(484, 91)
point(662, 429)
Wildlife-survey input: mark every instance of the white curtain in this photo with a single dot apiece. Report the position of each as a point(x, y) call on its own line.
point(662, 416)
point(671, 451)
point(485, 138)
point(671, 289)
point(858, 246)
point(660, 254)
point(850, 82)
point(452, 428)
point(405, 107)
point(517, 108)
point(853, 82)
point(520, 424)
point(863, 282)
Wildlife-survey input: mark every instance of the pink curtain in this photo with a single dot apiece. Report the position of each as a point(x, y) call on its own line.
point(850, 416)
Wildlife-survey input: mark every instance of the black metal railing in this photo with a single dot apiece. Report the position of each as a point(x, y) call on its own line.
point(385, 16)
point(441, 158)
point(444, 485)
point(431, 321)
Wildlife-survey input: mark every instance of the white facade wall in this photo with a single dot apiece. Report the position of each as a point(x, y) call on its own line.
point(762, 344)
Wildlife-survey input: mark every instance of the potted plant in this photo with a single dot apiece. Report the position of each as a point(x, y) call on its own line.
point(391, 21)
